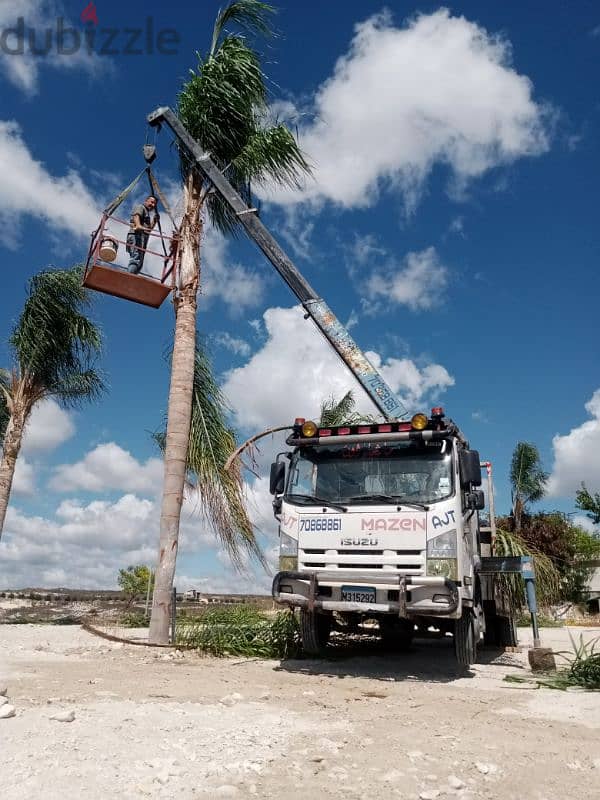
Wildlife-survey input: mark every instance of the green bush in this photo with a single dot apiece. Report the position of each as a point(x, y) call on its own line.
point(544, 621)
point(134, 619)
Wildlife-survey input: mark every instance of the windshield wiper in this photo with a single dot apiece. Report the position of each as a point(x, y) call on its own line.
point(311, 498)
point(387, 498)
point(372, 498)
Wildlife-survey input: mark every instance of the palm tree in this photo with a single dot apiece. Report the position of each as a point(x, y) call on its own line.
point(528, 479)
point(55, 347)
point(224, 107)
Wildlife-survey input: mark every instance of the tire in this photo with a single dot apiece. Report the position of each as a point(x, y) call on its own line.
point(507, 631)
point(465, 641)
point(314, 631)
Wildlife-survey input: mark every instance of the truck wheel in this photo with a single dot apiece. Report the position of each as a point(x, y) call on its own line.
point(507, 631)
point(314, 631)
point(465, 642)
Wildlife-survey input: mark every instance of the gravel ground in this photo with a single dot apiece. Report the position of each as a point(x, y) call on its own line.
point(147, 723)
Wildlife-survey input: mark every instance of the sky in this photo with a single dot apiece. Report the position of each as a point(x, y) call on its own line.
point(451, 222)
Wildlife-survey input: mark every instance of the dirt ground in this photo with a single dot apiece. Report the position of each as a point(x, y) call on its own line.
point(364, 724)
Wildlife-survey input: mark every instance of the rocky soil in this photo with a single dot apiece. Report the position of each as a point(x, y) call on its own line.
point(97, 719)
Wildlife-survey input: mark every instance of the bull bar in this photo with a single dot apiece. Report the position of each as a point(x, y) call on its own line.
point(397, 582)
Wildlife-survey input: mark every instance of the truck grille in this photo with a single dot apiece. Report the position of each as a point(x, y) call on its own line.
point(406, 562)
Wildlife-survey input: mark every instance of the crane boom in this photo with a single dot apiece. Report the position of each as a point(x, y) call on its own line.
point(316, 308)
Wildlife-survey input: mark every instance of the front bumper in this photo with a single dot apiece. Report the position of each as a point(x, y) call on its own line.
point(306, 586)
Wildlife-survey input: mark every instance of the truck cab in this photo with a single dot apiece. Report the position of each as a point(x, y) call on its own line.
point(380, 522)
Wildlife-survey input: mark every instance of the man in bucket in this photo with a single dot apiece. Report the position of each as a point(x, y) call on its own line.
point(140, 227)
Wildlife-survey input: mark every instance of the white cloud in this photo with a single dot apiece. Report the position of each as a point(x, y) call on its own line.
point(21, 66)
point(440, 89)
point(27, 189)
point(237, 286)
point(577, 455)
point(296, 370)
point(457, 226)
point(365, 249)
point(48, 427)
point(106, 467)
point(85, 545)
point(236, 345)
point(23, 480)
point(419, 282)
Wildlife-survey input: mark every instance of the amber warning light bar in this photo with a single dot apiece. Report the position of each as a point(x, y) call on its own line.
point(307, 430)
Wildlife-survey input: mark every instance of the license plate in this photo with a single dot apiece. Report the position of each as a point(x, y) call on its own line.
point(359, 594)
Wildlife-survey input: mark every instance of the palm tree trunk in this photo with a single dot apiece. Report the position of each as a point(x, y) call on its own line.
point(518, 514)
point(179, 412)
point(10, 452)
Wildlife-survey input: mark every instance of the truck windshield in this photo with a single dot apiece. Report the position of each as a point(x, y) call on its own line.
point(372, 472)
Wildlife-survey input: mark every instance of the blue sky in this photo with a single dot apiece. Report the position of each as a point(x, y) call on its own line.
point(451, 221)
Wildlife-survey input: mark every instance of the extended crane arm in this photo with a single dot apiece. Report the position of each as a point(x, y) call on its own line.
point(335, 333)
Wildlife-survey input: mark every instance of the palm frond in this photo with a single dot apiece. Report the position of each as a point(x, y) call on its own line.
point(220, 490)
point(223, 105)
point(248, 15)
point(78, 386)
point(547, 577)
point(270, 154)
point(341, 412)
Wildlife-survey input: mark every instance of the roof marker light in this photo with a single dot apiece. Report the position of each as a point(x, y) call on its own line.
point(309, 429)
point(419, 422)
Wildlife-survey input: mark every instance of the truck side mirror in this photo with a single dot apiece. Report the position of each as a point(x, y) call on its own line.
point(469, 468)
point(475, 500)
point(277, 477)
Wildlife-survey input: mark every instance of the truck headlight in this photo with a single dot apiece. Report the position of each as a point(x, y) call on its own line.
point(441, 555)
point(288, 564)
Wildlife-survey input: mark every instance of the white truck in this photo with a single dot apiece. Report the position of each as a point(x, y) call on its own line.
point(381, 522)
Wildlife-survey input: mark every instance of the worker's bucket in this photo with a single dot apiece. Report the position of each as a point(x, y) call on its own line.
point(108, 249)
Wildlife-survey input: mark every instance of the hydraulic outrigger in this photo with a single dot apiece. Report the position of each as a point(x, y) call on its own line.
point(335, 333)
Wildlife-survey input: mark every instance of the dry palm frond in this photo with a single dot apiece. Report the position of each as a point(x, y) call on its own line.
point(547, 578)
point(220, 490)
